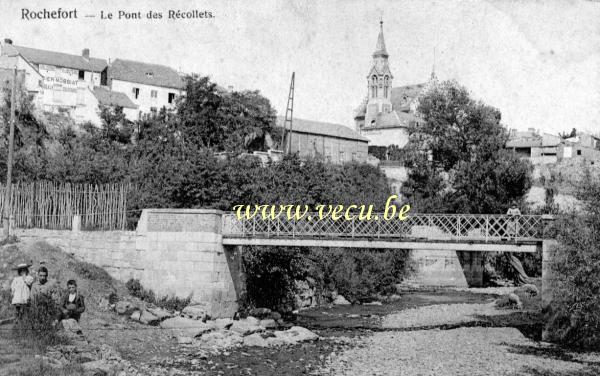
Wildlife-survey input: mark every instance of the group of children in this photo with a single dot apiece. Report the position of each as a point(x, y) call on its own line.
point(26, 289)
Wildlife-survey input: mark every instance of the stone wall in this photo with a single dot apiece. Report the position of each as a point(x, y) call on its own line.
point(173, 252)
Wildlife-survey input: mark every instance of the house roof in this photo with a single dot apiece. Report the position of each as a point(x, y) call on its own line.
point(322, 128)
point(112, 98)
point(59, 59)
point(145, 73)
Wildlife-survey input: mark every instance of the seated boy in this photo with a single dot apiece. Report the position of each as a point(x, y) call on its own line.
point(72, 305)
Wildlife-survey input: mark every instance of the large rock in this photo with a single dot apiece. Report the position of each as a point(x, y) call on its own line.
point(340, 300)
point(255, 340)
point(295, 334)
point(260, 313)
point(101, 367)
point(245, 327)
point(196, 312)
point(528, 290)
point(71, 326)
point(160, 313)
point(268, 323)
point(135, 316)
point(185, 327)
point(221, 339)
point(125, 307)
point(222, 323)
point(509, 301)
point(148, 318)
point(251, 320)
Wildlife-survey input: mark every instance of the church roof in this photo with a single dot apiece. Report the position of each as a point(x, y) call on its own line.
point(403, 96)
point(380, 49)
point(322, 128)
point(395, 119)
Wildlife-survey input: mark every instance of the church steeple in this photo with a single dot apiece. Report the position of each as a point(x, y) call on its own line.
point(380, 48)
point(379, 83)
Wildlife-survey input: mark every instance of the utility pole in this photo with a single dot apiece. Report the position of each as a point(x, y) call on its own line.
point(288, 118)
point(9, 164)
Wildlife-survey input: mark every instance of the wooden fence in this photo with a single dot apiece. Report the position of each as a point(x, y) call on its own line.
point(52, 205)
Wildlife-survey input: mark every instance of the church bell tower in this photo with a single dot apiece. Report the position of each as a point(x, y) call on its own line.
point(379, 83)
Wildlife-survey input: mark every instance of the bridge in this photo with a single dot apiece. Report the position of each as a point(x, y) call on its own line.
point(497, 233)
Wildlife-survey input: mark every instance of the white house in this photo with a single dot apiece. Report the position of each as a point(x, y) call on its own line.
point(65, 82)
point(149, 86)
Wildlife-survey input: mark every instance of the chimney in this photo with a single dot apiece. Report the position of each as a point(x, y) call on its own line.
point(7, 40)
point(86, 53)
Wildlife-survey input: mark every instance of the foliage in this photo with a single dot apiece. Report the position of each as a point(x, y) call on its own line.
point(385, 153)
point(357, 274)
point(575, 309)
point(38, 326)
point(88, 271)
point(457, 159)
point(229, 121)
point(41, 368)
point(270, 275)
point(172, 303)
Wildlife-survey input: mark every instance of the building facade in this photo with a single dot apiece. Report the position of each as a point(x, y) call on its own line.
point(547, 148)
point(149, 86)
point(79, 85)
point(334, 143)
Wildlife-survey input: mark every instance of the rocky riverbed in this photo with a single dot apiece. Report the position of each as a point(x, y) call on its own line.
point(443, 332)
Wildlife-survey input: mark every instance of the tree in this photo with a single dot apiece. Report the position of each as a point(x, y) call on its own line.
point(224, 121)
point(569, 135)
point(456, 156)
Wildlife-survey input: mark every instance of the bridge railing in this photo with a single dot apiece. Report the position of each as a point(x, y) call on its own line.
point(486, 228)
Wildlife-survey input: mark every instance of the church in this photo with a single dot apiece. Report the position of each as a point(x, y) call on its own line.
point(386, 113)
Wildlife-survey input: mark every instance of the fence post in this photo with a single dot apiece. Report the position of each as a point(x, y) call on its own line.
point(76, 223)
point(353, 227)
point(487, 227)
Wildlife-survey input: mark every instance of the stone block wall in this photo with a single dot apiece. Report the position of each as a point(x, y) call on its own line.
point(173, 252)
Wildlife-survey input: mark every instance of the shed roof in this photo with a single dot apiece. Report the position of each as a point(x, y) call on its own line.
point(113, 98)
point(322, 128)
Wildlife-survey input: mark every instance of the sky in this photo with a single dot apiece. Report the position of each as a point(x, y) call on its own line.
point(538, 62)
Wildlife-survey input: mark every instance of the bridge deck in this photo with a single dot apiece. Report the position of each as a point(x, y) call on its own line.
point(419, 231)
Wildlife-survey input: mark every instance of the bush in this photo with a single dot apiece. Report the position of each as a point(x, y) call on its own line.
point(89, 271)
point(356, 274)
point(575, 310)
point(173, 303)
point(38, 326)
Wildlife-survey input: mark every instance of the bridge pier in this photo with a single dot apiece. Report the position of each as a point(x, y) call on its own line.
point(181, 253)
point(549, 250)
point(441, 268)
